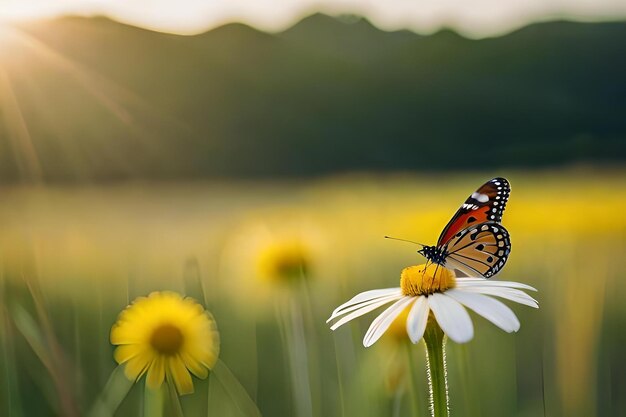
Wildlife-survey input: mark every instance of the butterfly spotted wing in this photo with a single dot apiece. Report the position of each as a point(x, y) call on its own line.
point(484, 205)
point(481, 249)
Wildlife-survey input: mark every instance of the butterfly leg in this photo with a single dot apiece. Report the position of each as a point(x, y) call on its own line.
point(425, 268)
point(433, 280)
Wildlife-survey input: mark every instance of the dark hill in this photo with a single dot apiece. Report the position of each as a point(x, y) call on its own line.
point(90, 98)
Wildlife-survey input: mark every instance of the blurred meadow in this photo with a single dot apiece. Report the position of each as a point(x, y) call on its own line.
point(257, 170)
point(73, 258)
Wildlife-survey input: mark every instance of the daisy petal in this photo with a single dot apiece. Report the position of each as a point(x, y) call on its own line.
point(180, 375)
point(418, 317)
point(122, 334)
point(194, 365)
point(357, 306)
point(486, 282)
point(506, 293)
point(137, 366)
point(156, 373)
point(366, 296)
point(384, 320)
point(490, 308)
point(363, 310)
point(124, 353)
point(452, 317)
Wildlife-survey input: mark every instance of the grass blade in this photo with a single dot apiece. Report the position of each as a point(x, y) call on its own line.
point(235, 390)
point(114, 392)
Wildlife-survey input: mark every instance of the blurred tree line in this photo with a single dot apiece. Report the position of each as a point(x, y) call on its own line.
point(98, 100)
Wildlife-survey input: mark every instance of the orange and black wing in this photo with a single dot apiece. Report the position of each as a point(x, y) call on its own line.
point(481, 250)
point(484, 205)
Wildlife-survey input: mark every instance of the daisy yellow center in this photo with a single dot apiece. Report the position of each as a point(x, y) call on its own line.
point(423, 280)
point(167, 339)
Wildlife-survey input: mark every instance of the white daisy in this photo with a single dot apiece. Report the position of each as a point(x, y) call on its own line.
point(435, 289)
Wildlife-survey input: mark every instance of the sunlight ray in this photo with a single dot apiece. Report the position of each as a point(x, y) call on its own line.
point(18, 134)
point(142, 122)
point(96, 83)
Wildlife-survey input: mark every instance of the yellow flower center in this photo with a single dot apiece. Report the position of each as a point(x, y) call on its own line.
point(286, 261)
point(290, 265)
point(167, 339)
point(423, 280)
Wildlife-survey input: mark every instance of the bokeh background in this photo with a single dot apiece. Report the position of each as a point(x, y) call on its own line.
point(254, 154)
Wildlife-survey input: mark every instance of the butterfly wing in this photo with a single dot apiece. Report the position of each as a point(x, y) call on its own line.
point(480, 250)
point(484, 205)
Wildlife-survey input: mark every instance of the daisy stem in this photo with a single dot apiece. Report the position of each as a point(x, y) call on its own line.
point(436, 370)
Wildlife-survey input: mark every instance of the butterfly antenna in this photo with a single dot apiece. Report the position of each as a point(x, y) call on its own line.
point(404, 240)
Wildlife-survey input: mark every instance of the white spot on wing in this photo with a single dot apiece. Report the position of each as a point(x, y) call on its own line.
point(483, 198)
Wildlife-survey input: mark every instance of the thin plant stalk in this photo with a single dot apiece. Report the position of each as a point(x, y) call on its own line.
point(112, 395)
point(294, 338)
point(435, 341)
point(176, 407)
point(153, 401)
point(415, 400)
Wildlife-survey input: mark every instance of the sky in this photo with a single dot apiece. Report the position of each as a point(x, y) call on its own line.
point(474, 18)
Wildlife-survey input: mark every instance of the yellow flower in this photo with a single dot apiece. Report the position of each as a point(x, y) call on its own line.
point(166, 336)
point(284, 260)
point(271, 260)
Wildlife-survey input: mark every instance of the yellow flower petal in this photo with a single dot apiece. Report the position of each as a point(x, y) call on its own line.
point(206, 357)
point(180, 375)
point(120, 335)
point(194, 365)
point(124, 353)
point(156, 373)
point(137, 366)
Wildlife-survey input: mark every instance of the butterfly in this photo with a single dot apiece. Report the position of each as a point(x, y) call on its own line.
point(474, 240)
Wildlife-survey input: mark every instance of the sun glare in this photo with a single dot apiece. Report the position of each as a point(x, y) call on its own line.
point(6, 33)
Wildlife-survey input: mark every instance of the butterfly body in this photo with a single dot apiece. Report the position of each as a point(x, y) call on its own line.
point(474, 240)
point(435, 254)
